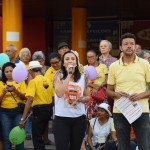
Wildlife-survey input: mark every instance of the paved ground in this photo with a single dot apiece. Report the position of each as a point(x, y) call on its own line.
point(29, 145)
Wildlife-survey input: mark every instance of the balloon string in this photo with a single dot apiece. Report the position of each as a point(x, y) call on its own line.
point(28, 117)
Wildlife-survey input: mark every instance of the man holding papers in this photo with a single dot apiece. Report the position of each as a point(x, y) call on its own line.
point(127, 81)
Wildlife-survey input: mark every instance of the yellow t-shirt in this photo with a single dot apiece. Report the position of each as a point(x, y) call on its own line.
point(27, 66)
point(50, 74)
point(101, 71)
point(40, 88)
point(112, 125)
point(8, 101)
point(131, 78)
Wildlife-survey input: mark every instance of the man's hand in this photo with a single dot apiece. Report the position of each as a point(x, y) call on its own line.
point(120, 94)
point(135, 96)
point(21, 124)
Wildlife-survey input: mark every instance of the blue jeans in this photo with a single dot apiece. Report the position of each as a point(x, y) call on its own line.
point(10, 118)
point(111, 145)
point(28, 126)
point(141, 128)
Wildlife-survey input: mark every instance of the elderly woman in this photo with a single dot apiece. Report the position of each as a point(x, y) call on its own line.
point(99, 128)
point(145, 54)
point(40, 57)
point(25, 56)
point(98, 83)
point(105, 47)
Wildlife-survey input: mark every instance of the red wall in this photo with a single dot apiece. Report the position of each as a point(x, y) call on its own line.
point(37, 34)
point(34, 36)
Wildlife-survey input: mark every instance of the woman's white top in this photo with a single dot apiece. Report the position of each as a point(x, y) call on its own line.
point(68, 106)
point(100, 132)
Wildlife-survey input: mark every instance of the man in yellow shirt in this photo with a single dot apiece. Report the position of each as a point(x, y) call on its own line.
point(39, 95)
point(130, 75)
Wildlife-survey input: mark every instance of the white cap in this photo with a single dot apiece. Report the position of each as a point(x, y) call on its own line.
point(106, 107)
point(34, 64)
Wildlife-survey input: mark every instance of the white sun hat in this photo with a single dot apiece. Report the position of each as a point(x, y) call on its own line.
point(34, 64)
point(106, 107)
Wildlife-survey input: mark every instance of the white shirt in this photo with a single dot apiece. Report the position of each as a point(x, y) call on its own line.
point(100, 132)
point(66, 106)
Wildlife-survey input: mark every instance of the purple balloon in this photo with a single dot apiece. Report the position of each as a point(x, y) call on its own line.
point(19, 73)
point(91, 72)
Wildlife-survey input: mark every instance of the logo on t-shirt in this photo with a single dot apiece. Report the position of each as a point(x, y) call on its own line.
point(45, 84)
point(72, 93)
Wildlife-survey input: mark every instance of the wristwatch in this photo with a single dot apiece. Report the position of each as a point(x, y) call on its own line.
point(22, 119)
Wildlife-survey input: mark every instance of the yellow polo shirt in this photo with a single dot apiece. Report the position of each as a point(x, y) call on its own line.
point(101, 72)
point(8, 100)
point(40, 88)
point(50, 74)
point(130, 78)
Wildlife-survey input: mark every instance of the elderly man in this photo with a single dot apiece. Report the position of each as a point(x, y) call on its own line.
point(39, 96)
point(11, 52)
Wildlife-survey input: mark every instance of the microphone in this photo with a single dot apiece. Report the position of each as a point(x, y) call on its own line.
point(70, 70)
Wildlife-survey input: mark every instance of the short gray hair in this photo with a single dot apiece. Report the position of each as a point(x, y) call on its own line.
point(24, 50)
point(38, 55)
point(108, 42)
point(142, 53)
point(13, 46)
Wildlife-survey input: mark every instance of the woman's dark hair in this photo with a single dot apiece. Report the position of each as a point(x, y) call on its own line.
point(77, 74)
point(54, 55)
point(96, 52)
point(8, 64)
point(127, 35)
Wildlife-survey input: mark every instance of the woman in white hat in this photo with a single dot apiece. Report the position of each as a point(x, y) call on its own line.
point(99, 128)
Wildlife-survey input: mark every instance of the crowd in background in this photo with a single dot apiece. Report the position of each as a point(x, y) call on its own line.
point(60, 91)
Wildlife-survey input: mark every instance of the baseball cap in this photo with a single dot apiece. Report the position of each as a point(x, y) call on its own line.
point(60, 45)
point(106, 107)
point(34, 64)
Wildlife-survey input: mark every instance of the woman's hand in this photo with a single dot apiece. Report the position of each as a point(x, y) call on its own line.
point(11, 88)
point(70, 69)
point(5, 90)
point(94, 91)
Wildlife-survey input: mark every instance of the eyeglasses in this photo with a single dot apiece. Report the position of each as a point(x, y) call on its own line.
point(9, 50)
point(54, 63)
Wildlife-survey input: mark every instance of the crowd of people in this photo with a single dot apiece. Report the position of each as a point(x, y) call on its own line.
point(63, 93)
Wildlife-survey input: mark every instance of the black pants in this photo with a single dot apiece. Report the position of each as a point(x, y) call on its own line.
point(69, 132)
point(41, 116)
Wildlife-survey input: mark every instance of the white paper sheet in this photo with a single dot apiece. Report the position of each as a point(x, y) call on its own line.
point(131, 110)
